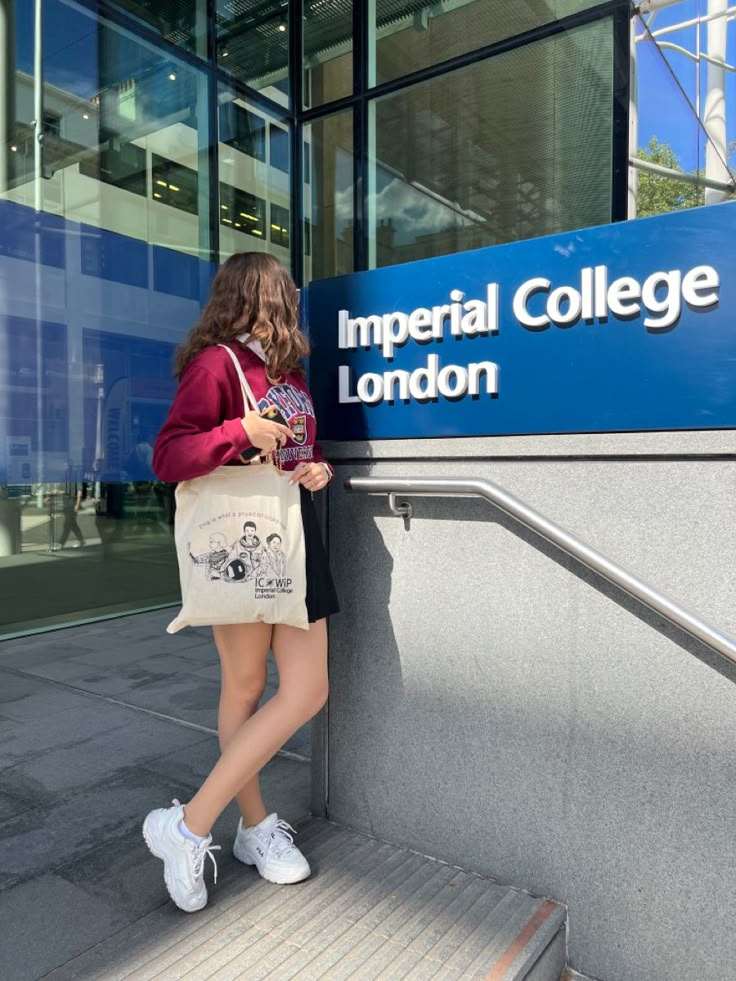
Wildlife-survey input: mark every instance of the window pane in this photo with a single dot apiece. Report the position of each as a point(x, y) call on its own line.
point(511, 148)
point(97, 292)
point(253, 44)
point(328, 200)
point(252, 184)
point(182, 22)
point(410, 36)
point(279, 148)
point(243, 212)
point(280, 225)
point(126, 168)
point(119, 117)
point(173, 184)
point(243, 130)
point(328, 51)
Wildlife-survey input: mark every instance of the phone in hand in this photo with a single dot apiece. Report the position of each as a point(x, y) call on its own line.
point(273, 414)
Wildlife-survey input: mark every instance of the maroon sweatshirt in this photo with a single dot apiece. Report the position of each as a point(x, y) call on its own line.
point(203, 429)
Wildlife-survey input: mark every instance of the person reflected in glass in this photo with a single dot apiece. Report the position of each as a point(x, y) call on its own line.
point(72, 500)
point(110, 505)
point(254, 310)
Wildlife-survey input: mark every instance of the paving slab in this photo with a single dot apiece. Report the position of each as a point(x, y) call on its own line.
point(45, 922)
point(13, 805)
point(88, 717)
point(83, 672)
point(63, 771)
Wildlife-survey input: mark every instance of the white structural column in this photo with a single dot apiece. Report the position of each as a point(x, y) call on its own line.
point(38, 104)
point(38, 83)
point(7, 89)
point(633, 125)
point(714, 110)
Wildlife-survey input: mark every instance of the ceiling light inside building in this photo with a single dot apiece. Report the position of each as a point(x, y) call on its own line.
point(14, 148)
point(172, 76)
point(282, 27)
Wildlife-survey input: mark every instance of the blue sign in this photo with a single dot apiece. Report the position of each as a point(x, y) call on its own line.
point(619, 328)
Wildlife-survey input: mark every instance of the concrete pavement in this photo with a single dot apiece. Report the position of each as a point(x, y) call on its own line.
point(98, 724)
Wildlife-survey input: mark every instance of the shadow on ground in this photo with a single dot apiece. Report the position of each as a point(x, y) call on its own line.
point(98, 724)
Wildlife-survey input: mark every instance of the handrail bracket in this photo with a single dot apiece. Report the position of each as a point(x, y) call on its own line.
point(402, 509)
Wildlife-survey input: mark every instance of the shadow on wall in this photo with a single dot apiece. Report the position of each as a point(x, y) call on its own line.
point(469, 510)
point(531, 738)
point(364, 625)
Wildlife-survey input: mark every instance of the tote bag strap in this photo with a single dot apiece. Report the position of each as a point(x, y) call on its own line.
point(249, 401)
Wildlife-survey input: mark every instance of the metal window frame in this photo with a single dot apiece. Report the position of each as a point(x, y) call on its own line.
point(619, 12)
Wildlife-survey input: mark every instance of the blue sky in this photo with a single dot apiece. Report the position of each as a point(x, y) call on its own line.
point(70, 38)
point(663, 109)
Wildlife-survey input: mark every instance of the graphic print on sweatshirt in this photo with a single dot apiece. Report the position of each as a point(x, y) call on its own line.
point(296, 407)
point(250, 559)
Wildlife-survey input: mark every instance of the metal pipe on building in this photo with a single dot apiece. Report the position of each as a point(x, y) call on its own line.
point(714, 113)
point(725, 187)
point(38, 206)
point(633, 207)
point(38, 105)
point(7, 91)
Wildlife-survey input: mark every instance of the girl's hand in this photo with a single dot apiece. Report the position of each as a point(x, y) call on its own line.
point(312, 476)
point(267, 436)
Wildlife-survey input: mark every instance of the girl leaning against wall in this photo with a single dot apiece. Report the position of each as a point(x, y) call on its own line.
point(253, 311)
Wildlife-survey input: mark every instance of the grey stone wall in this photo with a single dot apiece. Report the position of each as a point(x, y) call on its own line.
point(495, 705)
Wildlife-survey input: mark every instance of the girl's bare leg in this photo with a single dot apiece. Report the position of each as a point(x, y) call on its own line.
point(301, 657)
point(243, 650)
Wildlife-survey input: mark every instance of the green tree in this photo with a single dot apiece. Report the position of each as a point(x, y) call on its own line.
point(659, 195)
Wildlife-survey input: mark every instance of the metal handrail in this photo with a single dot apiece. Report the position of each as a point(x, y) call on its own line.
point(590, 557)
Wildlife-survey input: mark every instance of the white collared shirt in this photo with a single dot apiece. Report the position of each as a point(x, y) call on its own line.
point(253, 344)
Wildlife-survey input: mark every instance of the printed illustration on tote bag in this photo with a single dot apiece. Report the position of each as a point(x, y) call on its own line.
point(249, 559)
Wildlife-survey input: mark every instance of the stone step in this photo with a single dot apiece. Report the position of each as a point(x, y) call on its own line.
point(371, 910)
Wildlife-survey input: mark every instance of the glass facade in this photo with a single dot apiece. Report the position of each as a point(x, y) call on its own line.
point(143, 142)
point(518, 160)
point(254, 154)
point(329, 191)
point(410, 36)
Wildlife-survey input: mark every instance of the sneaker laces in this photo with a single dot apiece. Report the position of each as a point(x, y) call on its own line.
point(199, 852)
point(281, 838)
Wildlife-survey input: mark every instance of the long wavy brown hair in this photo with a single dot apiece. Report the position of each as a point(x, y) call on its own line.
point(252, 292)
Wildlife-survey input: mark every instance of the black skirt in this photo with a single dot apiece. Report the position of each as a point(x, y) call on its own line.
point(321, 594)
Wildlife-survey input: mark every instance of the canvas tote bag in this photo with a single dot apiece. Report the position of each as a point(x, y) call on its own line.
point(240, 543)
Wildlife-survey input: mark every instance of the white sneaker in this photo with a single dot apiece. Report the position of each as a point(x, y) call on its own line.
point(270, 847)
point(183, 858)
